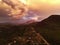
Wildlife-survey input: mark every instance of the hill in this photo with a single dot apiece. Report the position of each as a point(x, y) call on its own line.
point(50, 29)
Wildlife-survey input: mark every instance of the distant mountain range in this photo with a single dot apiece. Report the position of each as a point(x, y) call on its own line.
point(49, 28)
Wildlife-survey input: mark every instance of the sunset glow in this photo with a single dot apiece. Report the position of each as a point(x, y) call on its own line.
point(18, 9)
point(55, 1)
point(23, 1)
point(0, 0)
point(35, 3)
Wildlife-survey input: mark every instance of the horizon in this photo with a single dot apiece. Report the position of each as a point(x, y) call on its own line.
point(34, 10)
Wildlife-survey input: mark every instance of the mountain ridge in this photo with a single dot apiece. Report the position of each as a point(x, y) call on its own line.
point(48, 28)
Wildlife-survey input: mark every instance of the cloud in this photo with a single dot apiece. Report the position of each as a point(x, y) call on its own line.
point(37, 10)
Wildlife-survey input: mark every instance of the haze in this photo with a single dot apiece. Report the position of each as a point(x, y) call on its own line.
point(40, 9)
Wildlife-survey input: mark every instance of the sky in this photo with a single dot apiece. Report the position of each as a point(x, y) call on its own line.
point(33, 10)
point(46, 6)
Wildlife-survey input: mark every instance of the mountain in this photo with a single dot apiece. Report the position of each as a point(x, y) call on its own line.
point(50, 29)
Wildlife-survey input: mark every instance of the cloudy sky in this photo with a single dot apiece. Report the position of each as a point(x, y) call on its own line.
point(37, 10)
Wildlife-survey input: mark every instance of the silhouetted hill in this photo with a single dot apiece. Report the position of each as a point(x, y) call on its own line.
point(55, 19)
point(50, 29)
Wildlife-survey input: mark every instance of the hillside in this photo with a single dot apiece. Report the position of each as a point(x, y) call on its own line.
point(20, 35)
point(50, 29)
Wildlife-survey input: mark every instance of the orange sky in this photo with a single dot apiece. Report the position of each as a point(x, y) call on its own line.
point(48, 6)
point(45, 7)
